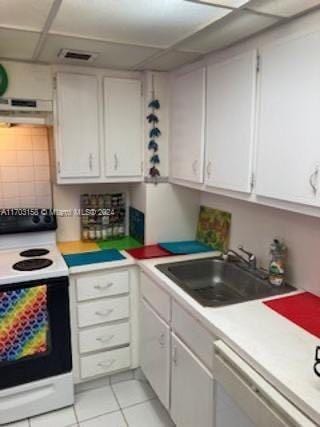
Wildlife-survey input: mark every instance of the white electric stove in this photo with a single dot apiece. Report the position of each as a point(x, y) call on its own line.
point(35, 337)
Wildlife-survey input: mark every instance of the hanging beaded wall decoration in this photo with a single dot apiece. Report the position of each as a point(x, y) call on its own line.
point(154, 133)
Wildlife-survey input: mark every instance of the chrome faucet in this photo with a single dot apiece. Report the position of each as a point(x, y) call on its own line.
point(250, 261)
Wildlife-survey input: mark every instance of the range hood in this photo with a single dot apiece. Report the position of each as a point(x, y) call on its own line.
point(25, 111)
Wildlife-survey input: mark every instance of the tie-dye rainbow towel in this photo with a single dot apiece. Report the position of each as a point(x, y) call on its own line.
point(23, 323)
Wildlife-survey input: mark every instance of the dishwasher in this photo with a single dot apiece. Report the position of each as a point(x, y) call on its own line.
point(243, 398)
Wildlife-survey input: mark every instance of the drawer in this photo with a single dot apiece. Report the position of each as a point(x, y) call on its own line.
point(105, 362)
point(103, 337)
point(159, 300)
point(104, 310)
point(102, 285)
point(193, 334)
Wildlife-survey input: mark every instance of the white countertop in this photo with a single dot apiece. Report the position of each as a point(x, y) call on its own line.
point(280, 351)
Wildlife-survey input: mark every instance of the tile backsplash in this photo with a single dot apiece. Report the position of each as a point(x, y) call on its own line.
point(24, 167)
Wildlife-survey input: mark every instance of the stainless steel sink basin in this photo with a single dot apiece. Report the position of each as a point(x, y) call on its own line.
point(214, 282)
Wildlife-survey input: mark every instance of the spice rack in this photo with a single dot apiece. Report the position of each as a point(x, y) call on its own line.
point(103, 216)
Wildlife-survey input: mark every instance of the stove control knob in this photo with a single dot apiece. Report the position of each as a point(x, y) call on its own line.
point(47, 219)
point(36, 219)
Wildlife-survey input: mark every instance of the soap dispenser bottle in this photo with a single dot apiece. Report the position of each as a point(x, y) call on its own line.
point(278, 252)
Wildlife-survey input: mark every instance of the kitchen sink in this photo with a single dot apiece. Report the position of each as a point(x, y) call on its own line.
point(214, 282)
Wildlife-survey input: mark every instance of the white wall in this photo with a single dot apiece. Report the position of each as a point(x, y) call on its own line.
point(255, 226)
point(171, 213)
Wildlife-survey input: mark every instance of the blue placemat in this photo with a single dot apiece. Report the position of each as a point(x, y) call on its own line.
point(74, 260)
point(184, 248)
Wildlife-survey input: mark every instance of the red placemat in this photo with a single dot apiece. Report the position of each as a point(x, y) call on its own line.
point(146, 252)
point(302, 309)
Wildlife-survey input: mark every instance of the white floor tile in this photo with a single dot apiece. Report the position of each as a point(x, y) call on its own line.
point(115, 419)
point(132, 392)
point(22, 423)
point(96, 402)
point(121, 376)
point(62, 418)
point(148, 414)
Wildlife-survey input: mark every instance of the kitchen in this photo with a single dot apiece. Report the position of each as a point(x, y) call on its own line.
point(159, 213)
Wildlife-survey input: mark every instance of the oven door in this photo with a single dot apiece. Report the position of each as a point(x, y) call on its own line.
point(34, 331)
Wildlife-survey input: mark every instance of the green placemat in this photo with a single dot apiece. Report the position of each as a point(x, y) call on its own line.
point(121, 244)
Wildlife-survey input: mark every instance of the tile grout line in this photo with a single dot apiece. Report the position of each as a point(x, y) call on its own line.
point(96, 416)
point(75, 414)
point(122, 413)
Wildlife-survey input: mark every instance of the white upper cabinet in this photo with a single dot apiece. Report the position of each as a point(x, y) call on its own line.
point(99, 133)
point(289, 131)
point(77, 126)
point(231, 92)
point(188, 126)
point(123, 127)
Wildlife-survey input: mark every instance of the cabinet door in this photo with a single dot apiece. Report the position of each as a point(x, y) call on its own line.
point(77, 126)
point(123, 127)
point(155, 356)
point(231, 91)
point(187, 126)
point(192, 400)
point(289, 131)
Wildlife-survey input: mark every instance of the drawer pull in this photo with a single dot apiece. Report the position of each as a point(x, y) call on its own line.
point(103, 287)
point(106, 364)
point(106, 338)
point(104, 313)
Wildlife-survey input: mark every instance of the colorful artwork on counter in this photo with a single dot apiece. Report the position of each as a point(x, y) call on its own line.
point(214, 228)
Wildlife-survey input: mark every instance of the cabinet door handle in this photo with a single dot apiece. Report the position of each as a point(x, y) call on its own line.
point(91, 161)
point(162, 340)
point(209, 167)
point(313, 180)
point(106, 364)
point(116, 161)
point(106, 338)
point(104, 313)
point(195, 167)
point(175, 356)
point(103, 287)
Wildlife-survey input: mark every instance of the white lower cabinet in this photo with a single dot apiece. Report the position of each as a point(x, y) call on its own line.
point(155, 348)
point(169, 358)
point(104, 320)
point(192, 389)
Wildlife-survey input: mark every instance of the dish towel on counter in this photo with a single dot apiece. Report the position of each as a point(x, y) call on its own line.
point(75, 260)
point(23, 323)
point(302, 309)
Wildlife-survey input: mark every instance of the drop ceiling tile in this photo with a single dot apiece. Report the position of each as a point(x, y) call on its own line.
point(231, 29)
point(157, 23)
point(111, 55)
point(27, 15)
point(171, 60)
point(17, 44)
point(227, 3)
point(284, 8)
